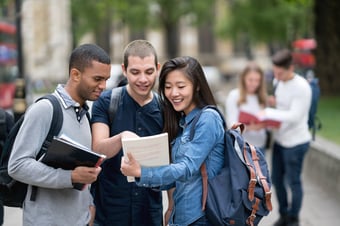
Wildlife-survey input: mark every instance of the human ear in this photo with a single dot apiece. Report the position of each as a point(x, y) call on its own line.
point(75, 74)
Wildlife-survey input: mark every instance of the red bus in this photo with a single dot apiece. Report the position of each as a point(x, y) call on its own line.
point(303, 53)
point(8, 64)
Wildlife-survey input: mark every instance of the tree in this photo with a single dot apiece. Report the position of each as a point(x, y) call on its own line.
point(274, 22)
point(97, 16)
point(92, 16)
point(327, 33)
point(170, 14)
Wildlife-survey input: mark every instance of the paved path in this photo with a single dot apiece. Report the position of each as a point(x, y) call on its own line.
point(319, 208)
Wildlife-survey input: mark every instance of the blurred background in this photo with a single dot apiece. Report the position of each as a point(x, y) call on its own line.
point(37, 37)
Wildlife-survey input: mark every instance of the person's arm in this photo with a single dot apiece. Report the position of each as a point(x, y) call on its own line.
point(231, 107)
point(102, 142)
point(196, 152)
point(93, 215)
point(298, 103)
point(170, 206)
point(23, 165)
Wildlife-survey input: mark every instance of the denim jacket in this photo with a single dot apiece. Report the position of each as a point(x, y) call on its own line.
point(184, 172)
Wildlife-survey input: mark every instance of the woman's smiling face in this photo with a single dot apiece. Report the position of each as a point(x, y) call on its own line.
point(179, 91)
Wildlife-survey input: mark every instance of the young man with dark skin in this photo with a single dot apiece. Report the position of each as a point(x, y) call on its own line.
point(57, 202)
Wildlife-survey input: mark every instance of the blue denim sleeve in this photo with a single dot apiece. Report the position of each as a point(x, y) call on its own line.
point(187, 155)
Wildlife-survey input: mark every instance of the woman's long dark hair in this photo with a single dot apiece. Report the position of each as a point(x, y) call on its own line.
point(202, 94)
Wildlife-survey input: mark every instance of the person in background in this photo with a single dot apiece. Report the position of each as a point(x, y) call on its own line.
point(6, 123)
point(117, 201)
point(291, 141)
point(185, 91)
point(251, 97)
point(57, 203)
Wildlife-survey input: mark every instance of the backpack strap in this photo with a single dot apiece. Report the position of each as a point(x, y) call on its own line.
point(114, 102)
point(252, 184)
point(56, 124)
point(252, 173)
point(203, 167)
point(195, 120)
point(3, 129)
point(116, 96)
point(262, 178)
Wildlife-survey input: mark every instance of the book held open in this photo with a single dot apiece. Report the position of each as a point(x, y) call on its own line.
point(148, 151)
point(248, 118)
point(67, 154)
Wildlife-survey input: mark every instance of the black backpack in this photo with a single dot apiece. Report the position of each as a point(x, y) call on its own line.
point(314, 122)
point(12, 192)
point(115, 102)
point(240, 194)
point(3, 128)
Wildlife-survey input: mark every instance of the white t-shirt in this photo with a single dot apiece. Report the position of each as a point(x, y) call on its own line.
point(252, 105)
point(293, 99)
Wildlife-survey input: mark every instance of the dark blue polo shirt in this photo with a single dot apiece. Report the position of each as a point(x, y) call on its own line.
point(117, 201)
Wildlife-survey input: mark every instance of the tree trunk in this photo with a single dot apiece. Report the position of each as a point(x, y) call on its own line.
point(327, 53)
point(103, 36)
point(172, 37)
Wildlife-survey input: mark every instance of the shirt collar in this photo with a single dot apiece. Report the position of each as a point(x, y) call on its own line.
point(186, 119)
point(68, 102)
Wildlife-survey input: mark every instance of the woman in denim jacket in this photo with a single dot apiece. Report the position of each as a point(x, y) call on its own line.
point(184, 92)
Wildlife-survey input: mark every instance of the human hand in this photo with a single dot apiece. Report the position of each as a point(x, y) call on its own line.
point(271, 101)
point(85, 175)
point(129, 166)
point(256, 126)
point(128, 134)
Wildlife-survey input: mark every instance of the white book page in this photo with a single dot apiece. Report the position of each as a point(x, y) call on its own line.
point(148, 151)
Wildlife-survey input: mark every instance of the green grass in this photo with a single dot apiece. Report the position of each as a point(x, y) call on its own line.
point(329, 114)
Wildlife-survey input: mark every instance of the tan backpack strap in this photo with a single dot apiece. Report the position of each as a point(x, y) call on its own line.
point(262, 178)
point(253, 180)
point(240, 126)
point(255, 208)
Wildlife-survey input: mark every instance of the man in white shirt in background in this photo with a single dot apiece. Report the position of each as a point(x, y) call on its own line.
point(291, 141)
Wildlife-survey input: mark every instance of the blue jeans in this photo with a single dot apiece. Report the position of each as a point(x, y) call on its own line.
point(202, 221)
point(287, 165)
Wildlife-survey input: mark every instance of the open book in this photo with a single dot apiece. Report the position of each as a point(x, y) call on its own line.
point(148, 151)
point(248, 118)
point(67, 154)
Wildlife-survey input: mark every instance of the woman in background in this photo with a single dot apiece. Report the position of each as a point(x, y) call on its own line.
point(250, 97)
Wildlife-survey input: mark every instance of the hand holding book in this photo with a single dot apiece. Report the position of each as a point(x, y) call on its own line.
point(148, 151)
point(67, 154)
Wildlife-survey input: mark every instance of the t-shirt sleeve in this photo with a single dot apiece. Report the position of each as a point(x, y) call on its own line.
point(100, 108)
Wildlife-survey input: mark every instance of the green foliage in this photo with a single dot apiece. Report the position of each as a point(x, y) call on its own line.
point(268, 20)
point(200, 10)
point(88, 16)
point(138, 15)
point(3, 3)
point(328, 112)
